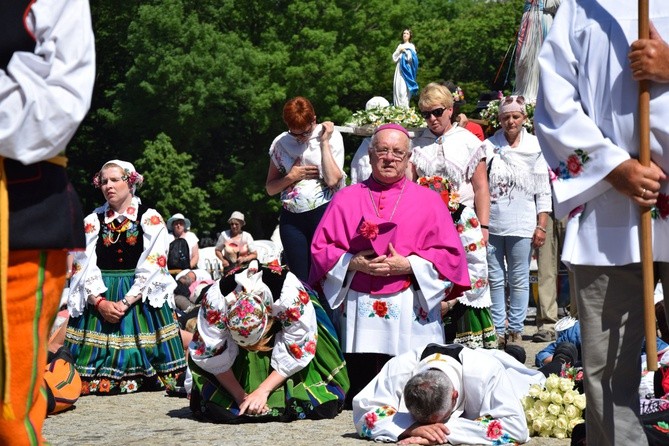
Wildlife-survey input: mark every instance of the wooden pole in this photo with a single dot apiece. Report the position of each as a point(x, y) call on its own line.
point(646, 234)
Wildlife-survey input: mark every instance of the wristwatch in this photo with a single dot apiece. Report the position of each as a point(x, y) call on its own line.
point(125, 302)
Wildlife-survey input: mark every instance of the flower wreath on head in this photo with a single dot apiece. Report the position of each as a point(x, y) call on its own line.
point(443, 187)
point(458, 95)
point(132, 178)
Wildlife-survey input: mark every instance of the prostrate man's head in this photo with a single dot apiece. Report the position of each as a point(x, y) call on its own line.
point(389, 153)
point(430, 396)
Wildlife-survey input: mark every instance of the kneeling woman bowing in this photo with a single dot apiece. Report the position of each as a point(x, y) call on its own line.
point(265, 351)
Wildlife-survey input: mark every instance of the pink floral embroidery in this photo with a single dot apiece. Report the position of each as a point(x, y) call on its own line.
point(369, 230)
point(474, 222)
point(310, 347)
point(89, 228)
point(370, 419)
point(460, 228)
point(494, 430)
point(131, 210)
point(574, 165)
point(471, 247)
point(243, 308)
point(161, 261)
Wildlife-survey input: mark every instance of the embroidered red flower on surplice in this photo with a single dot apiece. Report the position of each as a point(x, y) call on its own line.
point(370, 419)
point(494, 430)
point(369, 230)
point(380, 308)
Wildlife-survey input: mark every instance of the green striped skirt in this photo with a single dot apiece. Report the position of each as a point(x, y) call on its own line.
point(142, 351)
point(315, 392)
point(469, 326)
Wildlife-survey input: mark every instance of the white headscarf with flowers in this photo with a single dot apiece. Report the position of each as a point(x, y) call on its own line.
point(131, 176)
point(249, 309)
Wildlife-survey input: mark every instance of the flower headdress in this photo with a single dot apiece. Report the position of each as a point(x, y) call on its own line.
point(248, 316)
point(458, 95)
point(130, 175)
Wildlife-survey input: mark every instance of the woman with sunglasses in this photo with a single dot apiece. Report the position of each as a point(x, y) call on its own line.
point(458, 156)
point(306, 168)
point(520, 201)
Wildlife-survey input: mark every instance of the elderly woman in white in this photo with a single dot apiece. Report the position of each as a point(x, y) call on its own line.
point(520, 201)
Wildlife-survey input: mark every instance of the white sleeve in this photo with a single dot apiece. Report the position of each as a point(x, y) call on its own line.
point(337, 148)
point(45, 94)
point(337, 281)
point(86, 276)
point(570, 139)
point(397, 53)
point(378, 412)
point(499, 415)
point(249, 241)
point(432, 288)
point(152, 278)
point(295, 344)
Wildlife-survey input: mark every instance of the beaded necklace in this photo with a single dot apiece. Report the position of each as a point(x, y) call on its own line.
point(114, 230)
point(376, 211)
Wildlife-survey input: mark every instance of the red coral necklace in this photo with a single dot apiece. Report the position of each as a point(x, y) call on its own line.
point(376, 210)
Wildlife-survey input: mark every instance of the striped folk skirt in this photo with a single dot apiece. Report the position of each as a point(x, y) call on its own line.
point(143, 351)
point(470, 326)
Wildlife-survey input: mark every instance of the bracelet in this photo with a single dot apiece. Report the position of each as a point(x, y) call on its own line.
point(484, 226)
point(541, 229)
point(97, 304)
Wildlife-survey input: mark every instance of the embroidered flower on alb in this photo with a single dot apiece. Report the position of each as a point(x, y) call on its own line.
point(573, 166)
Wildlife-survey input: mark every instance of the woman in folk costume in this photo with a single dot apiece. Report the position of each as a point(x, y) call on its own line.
point(520, 201)
point(122, 331)
point(406, 66)
point(467, 318)
point(265, 351)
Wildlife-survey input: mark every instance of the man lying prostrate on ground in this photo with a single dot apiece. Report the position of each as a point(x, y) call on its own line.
point(446, 394)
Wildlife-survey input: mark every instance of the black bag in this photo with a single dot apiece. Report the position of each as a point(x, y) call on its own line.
point(178, 256)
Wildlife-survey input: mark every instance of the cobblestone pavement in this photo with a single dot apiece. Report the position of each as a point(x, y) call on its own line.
point(152, 418)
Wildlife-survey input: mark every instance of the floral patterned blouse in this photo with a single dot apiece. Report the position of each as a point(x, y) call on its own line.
point(140, 243)
point(213, 348)
point(306, 195)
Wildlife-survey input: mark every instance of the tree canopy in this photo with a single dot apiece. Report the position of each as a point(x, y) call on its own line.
point(192, 91)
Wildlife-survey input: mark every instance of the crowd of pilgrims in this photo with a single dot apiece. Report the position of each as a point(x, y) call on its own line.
point(429, 244)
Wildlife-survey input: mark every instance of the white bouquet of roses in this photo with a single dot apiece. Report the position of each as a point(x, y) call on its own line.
point(554, 409)
point(490, 114)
